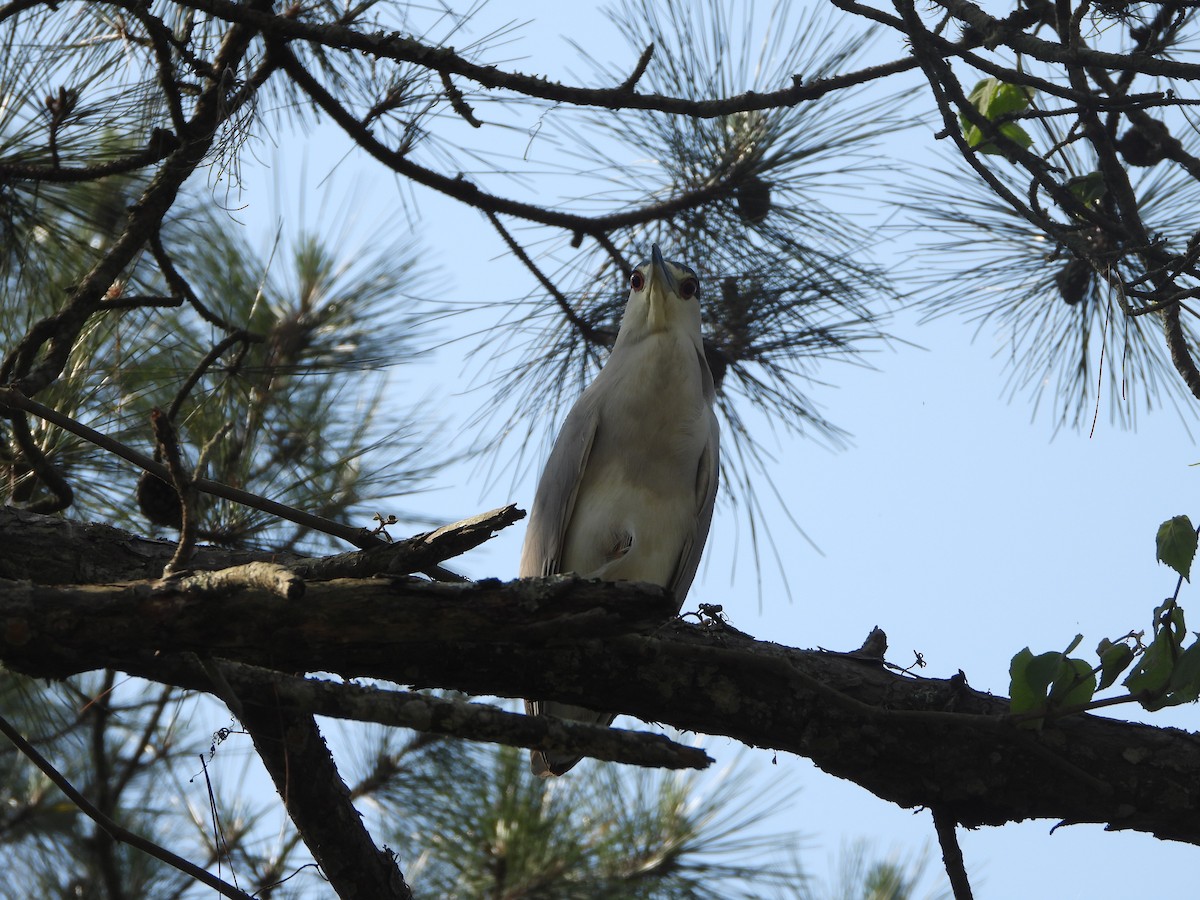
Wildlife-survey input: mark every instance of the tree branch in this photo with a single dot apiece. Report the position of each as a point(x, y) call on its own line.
point(561, 639)
point(51, 550)
point(399, 48)
point(161, 145)
point(318, 801)
point(997, 32)
point(59, 331)
point(466, 192)
point(359, 537)
point(952, 858)
point(451, 718)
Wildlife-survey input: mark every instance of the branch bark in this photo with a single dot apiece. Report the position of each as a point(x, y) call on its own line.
point(445, 60)
point(318, 801)
point(911, 741)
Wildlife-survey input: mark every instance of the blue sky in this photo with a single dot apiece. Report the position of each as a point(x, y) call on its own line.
point(956, 521)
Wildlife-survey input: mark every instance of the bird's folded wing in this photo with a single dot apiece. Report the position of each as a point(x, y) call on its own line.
point(708, 474)
point(555, 499)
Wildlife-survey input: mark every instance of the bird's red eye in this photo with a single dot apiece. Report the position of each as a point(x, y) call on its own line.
point(637, 280)
point(688, 288)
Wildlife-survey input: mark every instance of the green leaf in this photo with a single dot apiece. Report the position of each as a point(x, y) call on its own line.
point(1074, 684)
point(1177, 544)
point(1029, 679)
point(1024, 696)
point(1114, 659)
point(1010, 130)
point(1088, 188)
point(1177, 627)
point(994, 99)
point(1185, 677)
point(1152, 674)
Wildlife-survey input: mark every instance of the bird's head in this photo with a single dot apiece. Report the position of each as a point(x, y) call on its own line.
point(663, 295)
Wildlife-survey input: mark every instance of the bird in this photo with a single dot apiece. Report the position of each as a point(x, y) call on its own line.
point(628, 489)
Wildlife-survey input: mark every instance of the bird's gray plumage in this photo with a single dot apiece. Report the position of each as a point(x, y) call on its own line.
point(628, 490)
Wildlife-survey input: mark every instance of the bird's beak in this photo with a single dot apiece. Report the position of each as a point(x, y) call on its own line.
point(660, 273)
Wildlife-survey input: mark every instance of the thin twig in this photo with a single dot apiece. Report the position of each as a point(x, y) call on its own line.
point(586, 331)
point(181, 479)
point(115, 831)
point(141, 302)
point(944, 824)
point(458, 102)
point(42, 468)
point(244, 337)
point(180, 285)
point(639, 70)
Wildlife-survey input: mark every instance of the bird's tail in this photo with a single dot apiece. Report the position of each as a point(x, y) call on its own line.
point(545, 764)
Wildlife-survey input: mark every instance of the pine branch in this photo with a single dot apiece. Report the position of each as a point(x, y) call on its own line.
point(360, 537)
point(54, 336)
point(318, 801)
point(397, 47)
point(43, 549)
point(466, 192)
point(450, 718)
point(557, 638)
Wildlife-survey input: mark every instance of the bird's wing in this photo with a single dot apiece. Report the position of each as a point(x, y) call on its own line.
point(708, 474)
point(555, 499)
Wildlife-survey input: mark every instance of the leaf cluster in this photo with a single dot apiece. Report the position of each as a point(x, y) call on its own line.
point(1165, 672)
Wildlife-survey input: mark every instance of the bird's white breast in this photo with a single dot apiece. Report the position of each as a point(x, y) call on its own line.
point(636, 508)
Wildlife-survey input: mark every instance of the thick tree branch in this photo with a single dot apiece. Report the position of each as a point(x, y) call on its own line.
point(896, 736)
point(318, 801)
point(50, 550)
point(375, 613)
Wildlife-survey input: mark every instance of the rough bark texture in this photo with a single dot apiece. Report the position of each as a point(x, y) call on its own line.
point(912, 741)
point(50, 550)
point(295, 755)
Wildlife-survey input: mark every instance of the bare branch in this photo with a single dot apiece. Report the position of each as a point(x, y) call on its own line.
point(459, 103)
point(396, 47)
point(268, 577)
point(455, 718)
point(638, 70)
point(952, 857)
point(50, 550)
point(318, 801)
point(553, 638)
point(185, 490)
